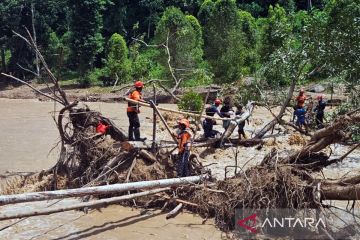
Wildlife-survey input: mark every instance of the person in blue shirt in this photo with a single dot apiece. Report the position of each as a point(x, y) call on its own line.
point(208, 123)
point(300, 117)
point(319, 109)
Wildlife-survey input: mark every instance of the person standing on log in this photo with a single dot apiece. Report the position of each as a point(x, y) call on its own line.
point(300, 118)
point(133, 111)
point(208, 123)
point(300, 101)
point(319, 109)
point(227, 112)
point(241, 125)
point(184, 144)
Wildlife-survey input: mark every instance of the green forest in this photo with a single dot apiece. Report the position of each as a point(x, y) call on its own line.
point(187, 42)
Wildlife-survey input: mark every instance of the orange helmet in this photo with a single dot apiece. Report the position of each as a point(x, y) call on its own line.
point(138, 84)
point(185, 122)
point(217, 101)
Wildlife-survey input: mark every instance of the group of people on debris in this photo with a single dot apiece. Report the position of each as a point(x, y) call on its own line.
point(303, 113)
point(226, 111)
point(184, 134)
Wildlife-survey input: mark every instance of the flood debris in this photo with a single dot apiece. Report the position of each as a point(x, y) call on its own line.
point(91, 158)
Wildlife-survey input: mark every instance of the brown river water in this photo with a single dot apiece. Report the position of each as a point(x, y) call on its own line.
point(28, 133)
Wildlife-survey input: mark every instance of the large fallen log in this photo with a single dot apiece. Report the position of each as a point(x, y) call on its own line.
point(334, 133)
point(92, 204)
point(338, 192)
point(108, 189)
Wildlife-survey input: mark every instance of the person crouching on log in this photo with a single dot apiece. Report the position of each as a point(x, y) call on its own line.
point(133, 112)
point(184, 143)
point(208, 123)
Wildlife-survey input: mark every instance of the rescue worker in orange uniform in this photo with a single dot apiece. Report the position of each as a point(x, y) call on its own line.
point(300, 99)
point(133, 111)
point(300, 102)
point(184, 143)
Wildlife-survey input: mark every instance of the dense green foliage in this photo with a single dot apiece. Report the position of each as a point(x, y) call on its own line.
point(191, 101)
point(183, 35)
point(219, 41)
point(117, 63)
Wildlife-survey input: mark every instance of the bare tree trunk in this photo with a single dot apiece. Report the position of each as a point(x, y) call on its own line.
point(37, 62)
point(108, 189)
point(175, 211)
point(94, 204)
point(270, 125)
point(338, 192)
point(236, 122)
point(3, 62)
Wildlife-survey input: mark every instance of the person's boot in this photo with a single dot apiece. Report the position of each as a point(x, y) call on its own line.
point(137, 135)
point(131, 134)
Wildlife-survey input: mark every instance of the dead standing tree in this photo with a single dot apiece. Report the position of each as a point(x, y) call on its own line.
point(294, 61)
point(85, 155)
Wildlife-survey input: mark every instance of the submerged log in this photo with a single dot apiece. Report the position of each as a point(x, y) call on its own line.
point(108, 189)
point(92, 204)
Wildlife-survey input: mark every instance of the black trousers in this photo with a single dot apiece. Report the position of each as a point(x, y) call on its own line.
point(134, 126)
point(183, 164)
point(320, 120)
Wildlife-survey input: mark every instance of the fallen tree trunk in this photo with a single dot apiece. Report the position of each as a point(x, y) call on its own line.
point(234, 123)
point(334, 133)
point(108, 189)
point(175, 211)
point(278, 118)
point(338, 192)
point(92, 204)
point(148, 156)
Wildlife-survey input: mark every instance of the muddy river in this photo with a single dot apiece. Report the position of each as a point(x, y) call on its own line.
point(28, 133)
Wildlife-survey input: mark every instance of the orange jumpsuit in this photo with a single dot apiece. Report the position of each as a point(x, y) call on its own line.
point(132, 113)
point(184, 139)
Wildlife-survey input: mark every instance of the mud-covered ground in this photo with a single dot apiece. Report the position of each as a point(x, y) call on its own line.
point(28, 134)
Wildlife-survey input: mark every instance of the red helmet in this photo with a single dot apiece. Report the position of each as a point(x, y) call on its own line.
point(138, 84)
point(217, 101)
point(319, 97)
point(185, 122)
